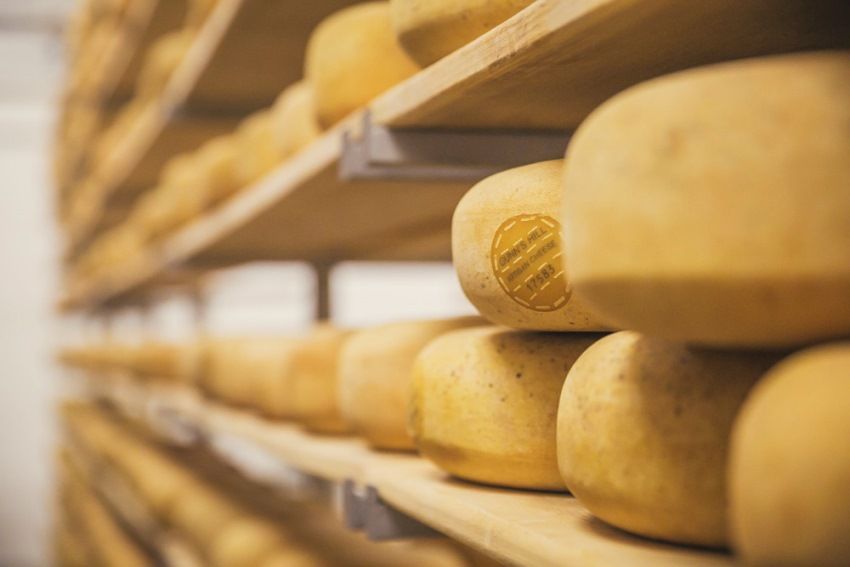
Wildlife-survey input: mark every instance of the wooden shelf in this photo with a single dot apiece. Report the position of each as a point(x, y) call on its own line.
point(299, 211)
point(546, 68)
point(554, 62)
point(517, 527)
point(202, 100)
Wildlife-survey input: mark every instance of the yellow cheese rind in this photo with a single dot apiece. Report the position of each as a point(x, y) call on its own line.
point(790, 463)
point(532, 190)
point(428, 30)
point(643, 429)
point(485, 403)
point(294, 121)
point(352, 57)
point(711, 206)
point(375, 370)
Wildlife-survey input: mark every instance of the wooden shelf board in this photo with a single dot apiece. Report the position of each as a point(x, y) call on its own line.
point(553, 63)
point(300, 211)
point(518, 527)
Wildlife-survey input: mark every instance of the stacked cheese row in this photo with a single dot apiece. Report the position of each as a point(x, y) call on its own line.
point(229, 522)
point(707, 212)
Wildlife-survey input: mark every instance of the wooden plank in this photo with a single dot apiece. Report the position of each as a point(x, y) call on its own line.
point(554, 62)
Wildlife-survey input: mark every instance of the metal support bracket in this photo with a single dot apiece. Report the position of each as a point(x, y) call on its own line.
point(378, 152)
point(364, 510)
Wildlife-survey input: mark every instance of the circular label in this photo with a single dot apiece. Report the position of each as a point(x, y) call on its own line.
point(527, 261)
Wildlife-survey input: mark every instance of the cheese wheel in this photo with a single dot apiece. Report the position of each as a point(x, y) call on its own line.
point(711, 206)
point(790, 463)
point(294, 122)
point(245, 541)
point(375, 369)
point(314, 380)
point(216, 168)
point(352, 57)
point(429, 30)
point(257, 153)
point(161, 60)
point(485, 403)
point(202, 513)
point(507, 250)
point(248, 371)
point(643, 431)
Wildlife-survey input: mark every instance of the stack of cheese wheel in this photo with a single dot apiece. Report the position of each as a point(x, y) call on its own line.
point(708, 210)
point(352, 57)
point(375, 373)
point(429, 30)
point(508, 254)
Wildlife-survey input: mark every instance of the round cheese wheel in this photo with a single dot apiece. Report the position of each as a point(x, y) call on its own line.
point(375, 369)
point(508, 253)
point(711, 206)
point(216, 168)
point(249, 372)
point(202, 513)
point(643, 430)
point(161, 60)
point(314, 378)
point(294, 122)
point(245, 541)
point(429, 30)
point(485, 403)
point(352, 57)
point(257, 153)
point(790, 463)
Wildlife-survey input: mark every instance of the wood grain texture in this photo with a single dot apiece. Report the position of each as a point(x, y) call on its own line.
point(553, 63)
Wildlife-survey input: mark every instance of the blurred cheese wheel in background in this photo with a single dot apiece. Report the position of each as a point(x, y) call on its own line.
point(790, 463)
point(202, 513)
point(711, 206)
point(215, 164)
point(163, 57)
point(643, 434)
point(315, 371)
point(236, 367)
point(244, 541)
point(375, 371)
point(507, 250)
point(182, 191)
point(352, 57)
point(485, 403)
point(429, 30)
point(274, 377)
point(294, 122)
point(257, 152)
point(198, 11)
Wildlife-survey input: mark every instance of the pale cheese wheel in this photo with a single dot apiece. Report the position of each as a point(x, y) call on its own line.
point(314, 380)
point(711, 206)
point(428, 30)
point(789, 470)
point(245, 541)
point(294, 122)
point(643, 434)
point(508, 252)
point(352, 57)
point(202, 513)
point(250, 372)
point(216, 168)
point(257, 153)
point(375, 370)
point(485, 403)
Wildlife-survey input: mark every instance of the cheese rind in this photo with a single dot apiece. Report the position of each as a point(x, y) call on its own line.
point(711, 206)
point(375, 370)
point(643, 431)
point(352, 57)
point(505, 234)
point(428, 30)
point(790, 463)
point(485, 403)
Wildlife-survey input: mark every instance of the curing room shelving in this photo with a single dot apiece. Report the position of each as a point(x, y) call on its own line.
point(516, 527)
point(542, 71)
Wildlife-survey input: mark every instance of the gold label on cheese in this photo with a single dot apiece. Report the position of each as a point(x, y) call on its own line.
point(527, 261)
